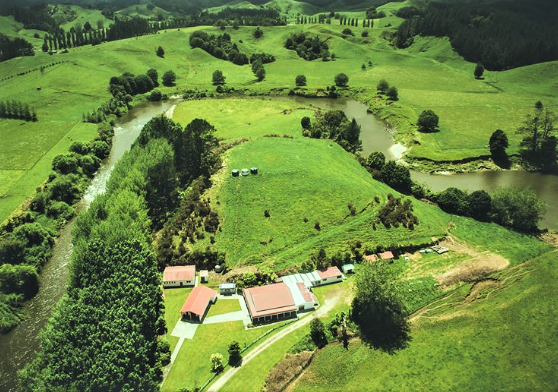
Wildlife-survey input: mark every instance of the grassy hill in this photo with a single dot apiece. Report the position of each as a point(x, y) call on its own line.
point(498, 335)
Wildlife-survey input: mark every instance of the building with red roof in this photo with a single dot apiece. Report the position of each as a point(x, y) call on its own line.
point(386, 255)
point(179, 276)
point(270, 303)
point(370, 258)
point(197, 302)
point(330, 275)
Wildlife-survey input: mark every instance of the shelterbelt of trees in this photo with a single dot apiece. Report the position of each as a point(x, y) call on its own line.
point(105, 333)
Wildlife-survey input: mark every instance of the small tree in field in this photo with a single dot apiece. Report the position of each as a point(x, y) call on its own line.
point(341, 80)
point(260, 74)
point(169, 78)
point(305, 122)
point(300, 80)
point(428, 121)
point(216, 363)
point(317, 333)
point(479, 70)
point(498, 143)
point(383, 86)
point(392, 93)
point(218, 78)
point(160, 51)
point(235, 359)
point(258, 33)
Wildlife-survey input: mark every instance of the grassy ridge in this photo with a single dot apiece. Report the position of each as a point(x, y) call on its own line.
point(503, 340)
point(298, 179)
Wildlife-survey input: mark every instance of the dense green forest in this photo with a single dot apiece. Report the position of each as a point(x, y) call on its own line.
point(499, 35)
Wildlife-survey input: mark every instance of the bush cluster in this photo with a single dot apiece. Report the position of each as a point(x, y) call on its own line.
point(308, 48)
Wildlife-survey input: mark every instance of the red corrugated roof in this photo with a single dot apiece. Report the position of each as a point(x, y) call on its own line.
point(268, 300)
point(198, 300)
point(331, 272)
point(306, 294)
point(370, 258)
point(179, 272)
point(386, 255)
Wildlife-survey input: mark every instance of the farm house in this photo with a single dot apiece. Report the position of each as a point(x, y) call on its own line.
point(331, 275)
point(179, 276)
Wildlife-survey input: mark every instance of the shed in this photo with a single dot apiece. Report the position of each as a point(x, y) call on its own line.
point(254, 170)
point(348, 269)
point(331, 275)
point(386, 255)
point(204, 276)
point(227, 288)
point(439, 249)
point(198, 302)
point(370, 258)
point(235, 173)
point(179, 276)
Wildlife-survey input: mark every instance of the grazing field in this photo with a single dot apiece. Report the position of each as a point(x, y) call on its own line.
point(499, 335)
point(303, 182)
point(428, 75)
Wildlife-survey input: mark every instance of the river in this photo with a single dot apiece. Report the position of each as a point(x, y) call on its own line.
point(19, 347)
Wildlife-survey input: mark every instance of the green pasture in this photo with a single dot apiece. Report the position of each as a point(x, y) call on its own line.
point(304, 179)
point(428, 75)
point(504, 340)
point(245, 117)
point(84, 15)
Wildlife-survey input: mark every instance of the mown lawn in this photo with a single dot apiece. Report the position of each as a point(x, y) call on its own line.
point(505, 340)
point(174, 300)
point(192, 366)
point(223, 306)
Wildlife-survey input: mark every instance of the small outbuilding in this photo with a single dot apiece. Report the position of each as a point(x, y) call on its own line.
point(386, 255)
point(371, 258)
point(227, 288)
point(439, 249)
point(348, 269)
point(204, 276)
point(179, 276)
point(198, 302)
point(331, 275)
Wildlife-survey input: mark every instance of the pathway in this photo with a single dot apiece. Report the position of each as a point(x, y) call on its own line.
point(326, 307)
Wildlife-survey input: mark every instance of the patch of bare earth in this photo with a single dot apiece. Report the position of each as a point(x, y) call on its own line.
point(477, 266)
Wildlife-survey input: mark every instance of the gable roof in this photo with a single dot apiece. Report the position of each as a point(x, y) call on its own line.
point(331, 272)
point(268, 300)
point(386, 255)
point(198, 300)
point(179, 272)
point(370, 258)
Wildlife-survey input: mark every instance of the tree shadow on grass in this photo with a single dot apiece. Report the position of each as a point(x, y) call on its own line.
point(383, 327)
